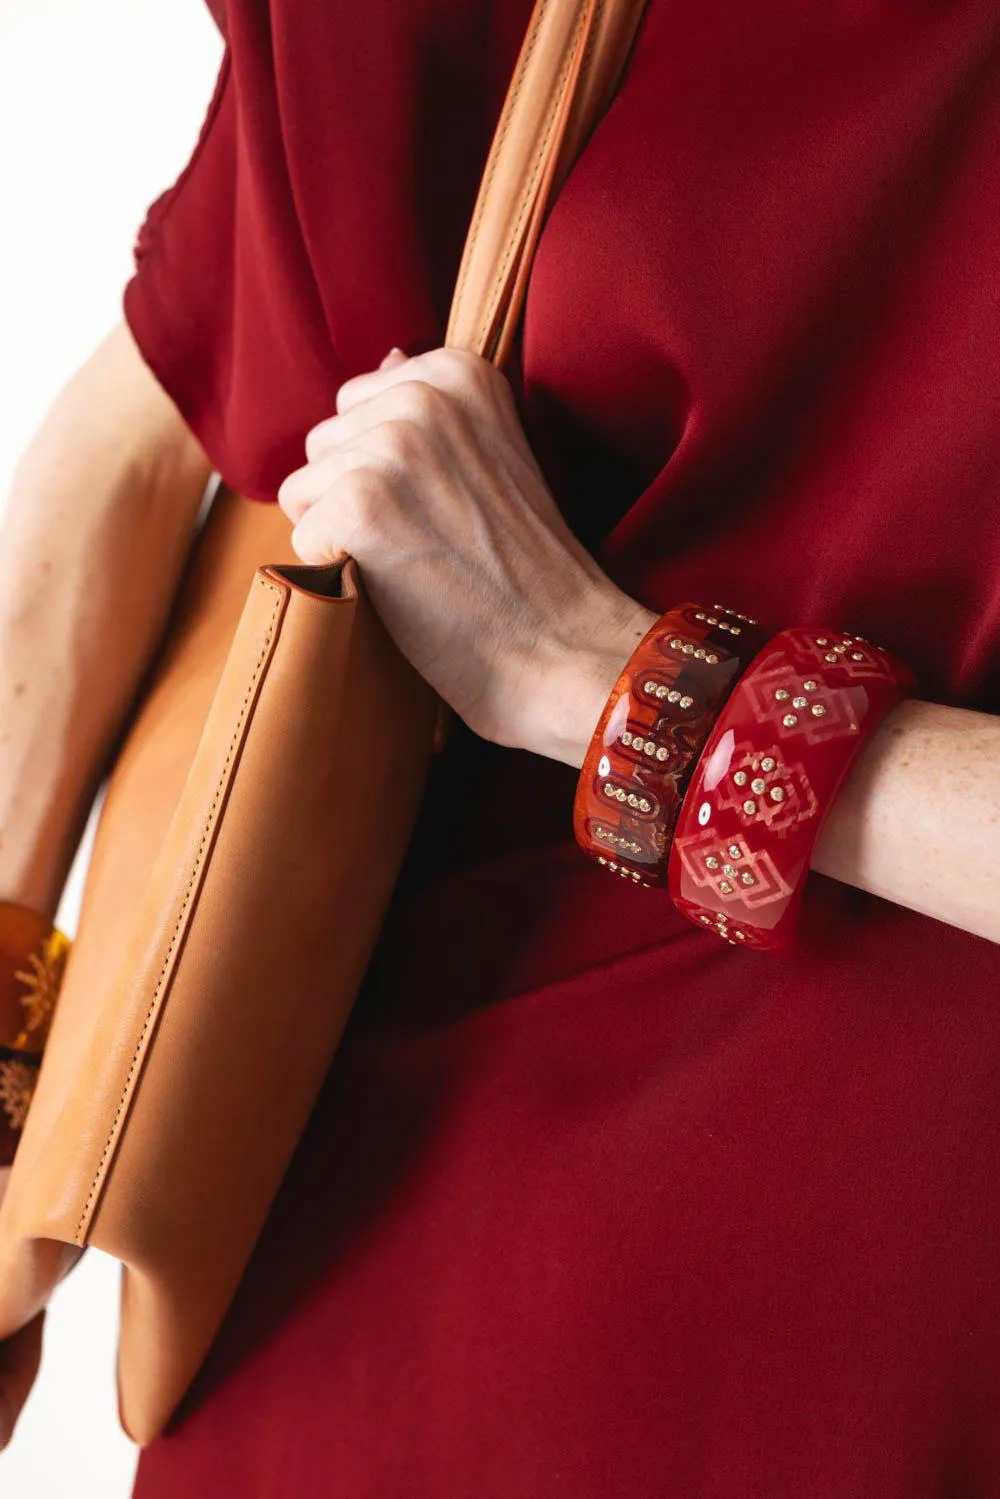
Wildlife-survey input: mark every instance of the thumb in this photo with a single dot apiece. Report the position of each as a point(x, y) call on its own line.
point(20, 1356)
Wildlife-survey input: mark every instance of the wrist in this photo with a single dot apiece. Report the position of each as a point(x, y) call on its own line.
point(571, 680)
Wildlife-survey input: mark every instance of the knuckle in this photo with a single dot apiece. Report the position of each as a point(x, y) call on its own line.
point(318, 440)
point(419, 401)
point(468, 370)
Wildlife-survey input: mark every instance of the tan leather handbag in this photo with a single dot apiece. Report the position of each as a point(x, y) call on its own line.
point(252, 832)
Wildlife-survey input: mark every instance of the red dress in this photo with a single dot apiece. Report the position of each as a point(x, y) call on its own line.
point(594, 1205)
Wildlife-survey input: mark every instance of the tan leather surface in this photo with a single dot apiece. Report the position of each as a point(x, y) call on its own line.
point(50, 1182)
point(316, 823)
point(251, 835)
point(570, 63)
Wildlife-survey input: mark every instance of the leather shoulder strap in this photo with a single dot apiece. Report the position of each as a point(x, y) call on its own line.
point(569, 65)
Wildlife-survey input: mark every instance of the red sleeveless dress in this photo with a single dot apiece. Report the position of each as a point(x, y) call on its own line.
point(594, 1205)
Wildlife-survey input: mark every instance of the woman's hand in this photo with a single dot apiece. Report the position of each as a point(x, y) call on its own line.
point(425, 476)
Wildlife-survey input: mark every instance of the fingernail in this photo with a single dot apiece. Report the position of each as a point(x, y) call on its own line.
point(393, 357)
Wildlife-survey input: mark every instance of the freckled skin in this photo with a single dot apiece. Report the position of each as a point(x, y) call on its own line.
point(912, 822)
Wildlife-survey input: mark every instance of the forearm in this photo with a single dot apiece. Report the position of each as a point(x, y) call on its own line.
point(95, 532)
point(918, 819)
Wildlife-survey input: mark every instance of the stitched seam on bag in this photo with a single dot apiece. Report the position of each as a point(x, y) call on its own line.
point(539, 166)
point(158, 991)
point(495, 152)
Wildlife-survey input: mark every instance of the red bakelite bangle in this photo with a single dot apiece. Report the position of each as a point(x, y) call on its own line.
point(650, 735)
point(768, 776)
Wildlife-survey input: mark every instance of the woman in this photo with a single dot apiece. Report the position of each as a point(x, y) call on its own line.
point(593, 1204)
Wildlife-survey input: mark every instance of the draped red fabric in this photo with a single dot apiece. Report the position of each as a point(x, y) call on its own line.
point(593, 1205)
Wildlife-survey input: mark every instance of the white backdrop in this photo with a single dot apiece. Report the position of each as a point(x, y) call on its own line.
point(100, 103)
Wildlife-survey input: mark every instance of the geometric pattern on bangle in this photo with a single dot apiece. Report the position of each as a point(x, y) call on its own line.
point(768, 775)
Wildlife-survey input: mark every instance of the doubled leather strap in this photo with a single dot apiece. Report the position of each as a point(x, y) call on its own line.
point(568, 68)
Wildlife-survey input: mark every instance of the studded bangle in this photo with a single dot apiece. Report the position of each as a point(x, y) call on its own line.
point(651, 733)
point(769, 774)
point(32, 958)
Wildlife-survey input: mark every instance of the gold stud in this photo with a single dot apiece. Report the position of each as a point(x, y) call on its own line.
point(818, 710)
point(767, 763)
point(746, 878)
point(661, 691)
point(649, 748)
point(857, 656)
point(740, 778)
point(699, 654)
point(662, 752)
point(735, 852)
point(800, 702)
point(810, 685)
point(706, 919)
point(830, 656)
point(633, 800)
point(740, 936)
point(711, 862)
point(750, 808)
point(627, 736)
point(644, 805)
point(712, 659)
point(790, 720)
point(729, 871)
point(725, 887)
point(687, 702)
point(758, 785)
point(649, 686)
point(777, 793)
point(781, 695)
point(673, 696)
point(822, 640)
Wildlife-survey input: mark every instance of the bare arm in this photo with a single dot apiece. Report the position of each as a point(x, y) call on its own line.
point(918, 820)
point(98, 523)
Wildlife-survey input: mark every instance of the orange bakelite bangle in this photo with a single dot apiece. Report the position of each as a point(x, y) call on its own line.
point(652, 732)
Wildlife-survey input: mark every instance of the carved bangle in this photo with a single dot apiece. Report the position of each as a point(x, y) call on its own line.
point(32, 958)
point(651, 733)
point(769, 774)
